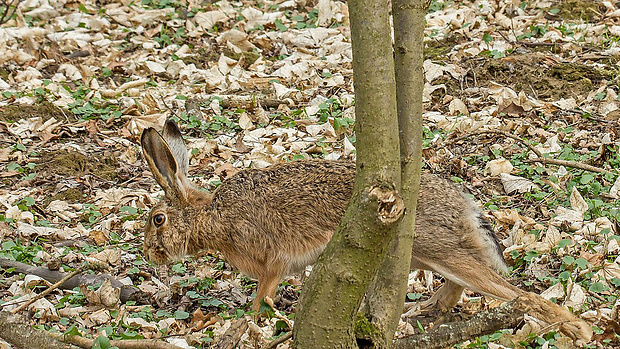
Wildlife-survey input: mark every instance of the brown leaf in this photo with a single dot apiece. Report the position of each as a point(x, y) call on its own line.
point(99, 237)
point(226, 170)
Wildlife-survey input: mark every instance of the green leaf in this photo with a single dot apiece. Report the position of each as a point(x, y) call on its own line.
point(101, 342)
point(615, 282)
point(281, 27)
point(414, 296)
point(565, 242)
point(581, 263)
point(568, 260)
point(181, 315)
point(497, 54)
point(29, 201)
point(106, 72)
point(13, 166)
point(598, 287)
point(586, 178)
point(487, 38)
point(420, 327)
point(564, 276)
point(129, 209)
point(193, 294)
point(72, 331)
point(179, 268)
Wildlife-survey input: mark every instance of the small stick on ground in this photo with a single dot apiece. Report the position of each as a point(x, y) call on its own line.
point(127, 292)
point(274, 343)
point(497, 132)
point(51, 288)
point(507, 315)
point(567, 163)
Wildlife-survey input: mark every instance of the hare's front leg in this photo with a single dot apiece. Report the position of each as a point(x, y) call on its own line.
point(267, 286)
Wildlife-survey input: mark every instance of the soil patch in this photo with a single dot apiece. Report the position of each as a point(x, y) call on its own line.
point(44, 110)
point(71, 195)
point(534, 75)
point(438, 50)
point(587, 10)
point(73, 164)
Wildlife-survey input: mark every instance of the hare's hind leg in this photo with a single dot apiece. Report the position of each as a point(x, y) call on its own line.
point(469, 272)
point(444, 299)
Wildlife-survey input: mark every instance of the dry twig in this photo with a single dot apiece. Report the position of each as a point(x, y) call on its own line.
point(566, 163)
point(507, 315)
point(497, 132)
point(51, 288)
point(9, 9)
point(127, 292)
point(274, 343)
point(539, 156)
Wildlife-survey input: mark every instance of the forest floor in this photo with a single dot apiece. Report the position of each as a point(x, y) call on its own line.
point(253, 83)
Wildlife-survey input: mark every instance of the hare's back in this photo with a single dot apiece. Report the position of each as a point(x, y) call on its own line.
point(292, 208)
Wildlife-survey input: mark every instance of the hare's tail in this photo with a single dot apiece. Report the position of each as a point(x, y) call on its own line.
point(491, 241)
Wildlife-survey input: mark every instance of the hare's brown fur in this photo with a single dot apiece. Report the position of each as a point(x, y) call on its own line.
point(275, 221)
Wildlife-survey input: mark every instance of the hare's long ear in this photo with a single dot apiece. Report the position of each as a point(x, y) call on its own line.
point(164, 166)
point(174, 139)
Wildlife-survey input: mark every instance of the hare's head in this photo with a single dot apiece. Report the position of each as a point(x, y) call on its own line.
point(169, 224)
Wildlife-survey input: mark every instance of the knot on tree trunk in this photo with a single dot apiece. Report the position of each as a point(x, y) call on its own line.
point(390, 206)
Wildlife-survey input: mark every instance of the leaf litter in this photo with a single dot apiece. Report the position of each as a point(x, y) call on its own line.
point(255, 83)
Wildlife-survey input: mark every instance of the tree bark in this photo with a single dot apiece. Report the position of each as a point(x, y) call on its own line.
point(384, 303)
point(332, 295)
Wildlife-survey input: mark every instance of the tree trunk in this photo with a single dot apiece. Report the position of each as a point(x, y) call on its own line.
point(384, 303)
point(332, 295)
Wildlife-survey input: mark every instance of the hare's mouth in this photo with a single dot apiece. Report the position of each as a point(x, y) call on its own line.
point(157, 257)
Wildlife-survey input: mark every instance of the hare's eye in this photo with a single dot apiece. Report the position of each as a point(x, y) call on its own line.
point(159, 219)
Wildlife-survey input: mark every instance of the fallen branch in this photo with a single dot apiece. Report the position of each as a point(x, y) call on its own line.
point(50, 289)
point(507, 315)
point(14, 330)
point(497, 132)
point(87, 343)
point(235, 101)
point(567, 163)
point(539, 156)
point(128, 293)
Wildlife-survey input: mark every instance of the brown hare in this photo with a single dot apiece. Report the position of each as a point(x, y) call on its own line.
point(273, 222)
